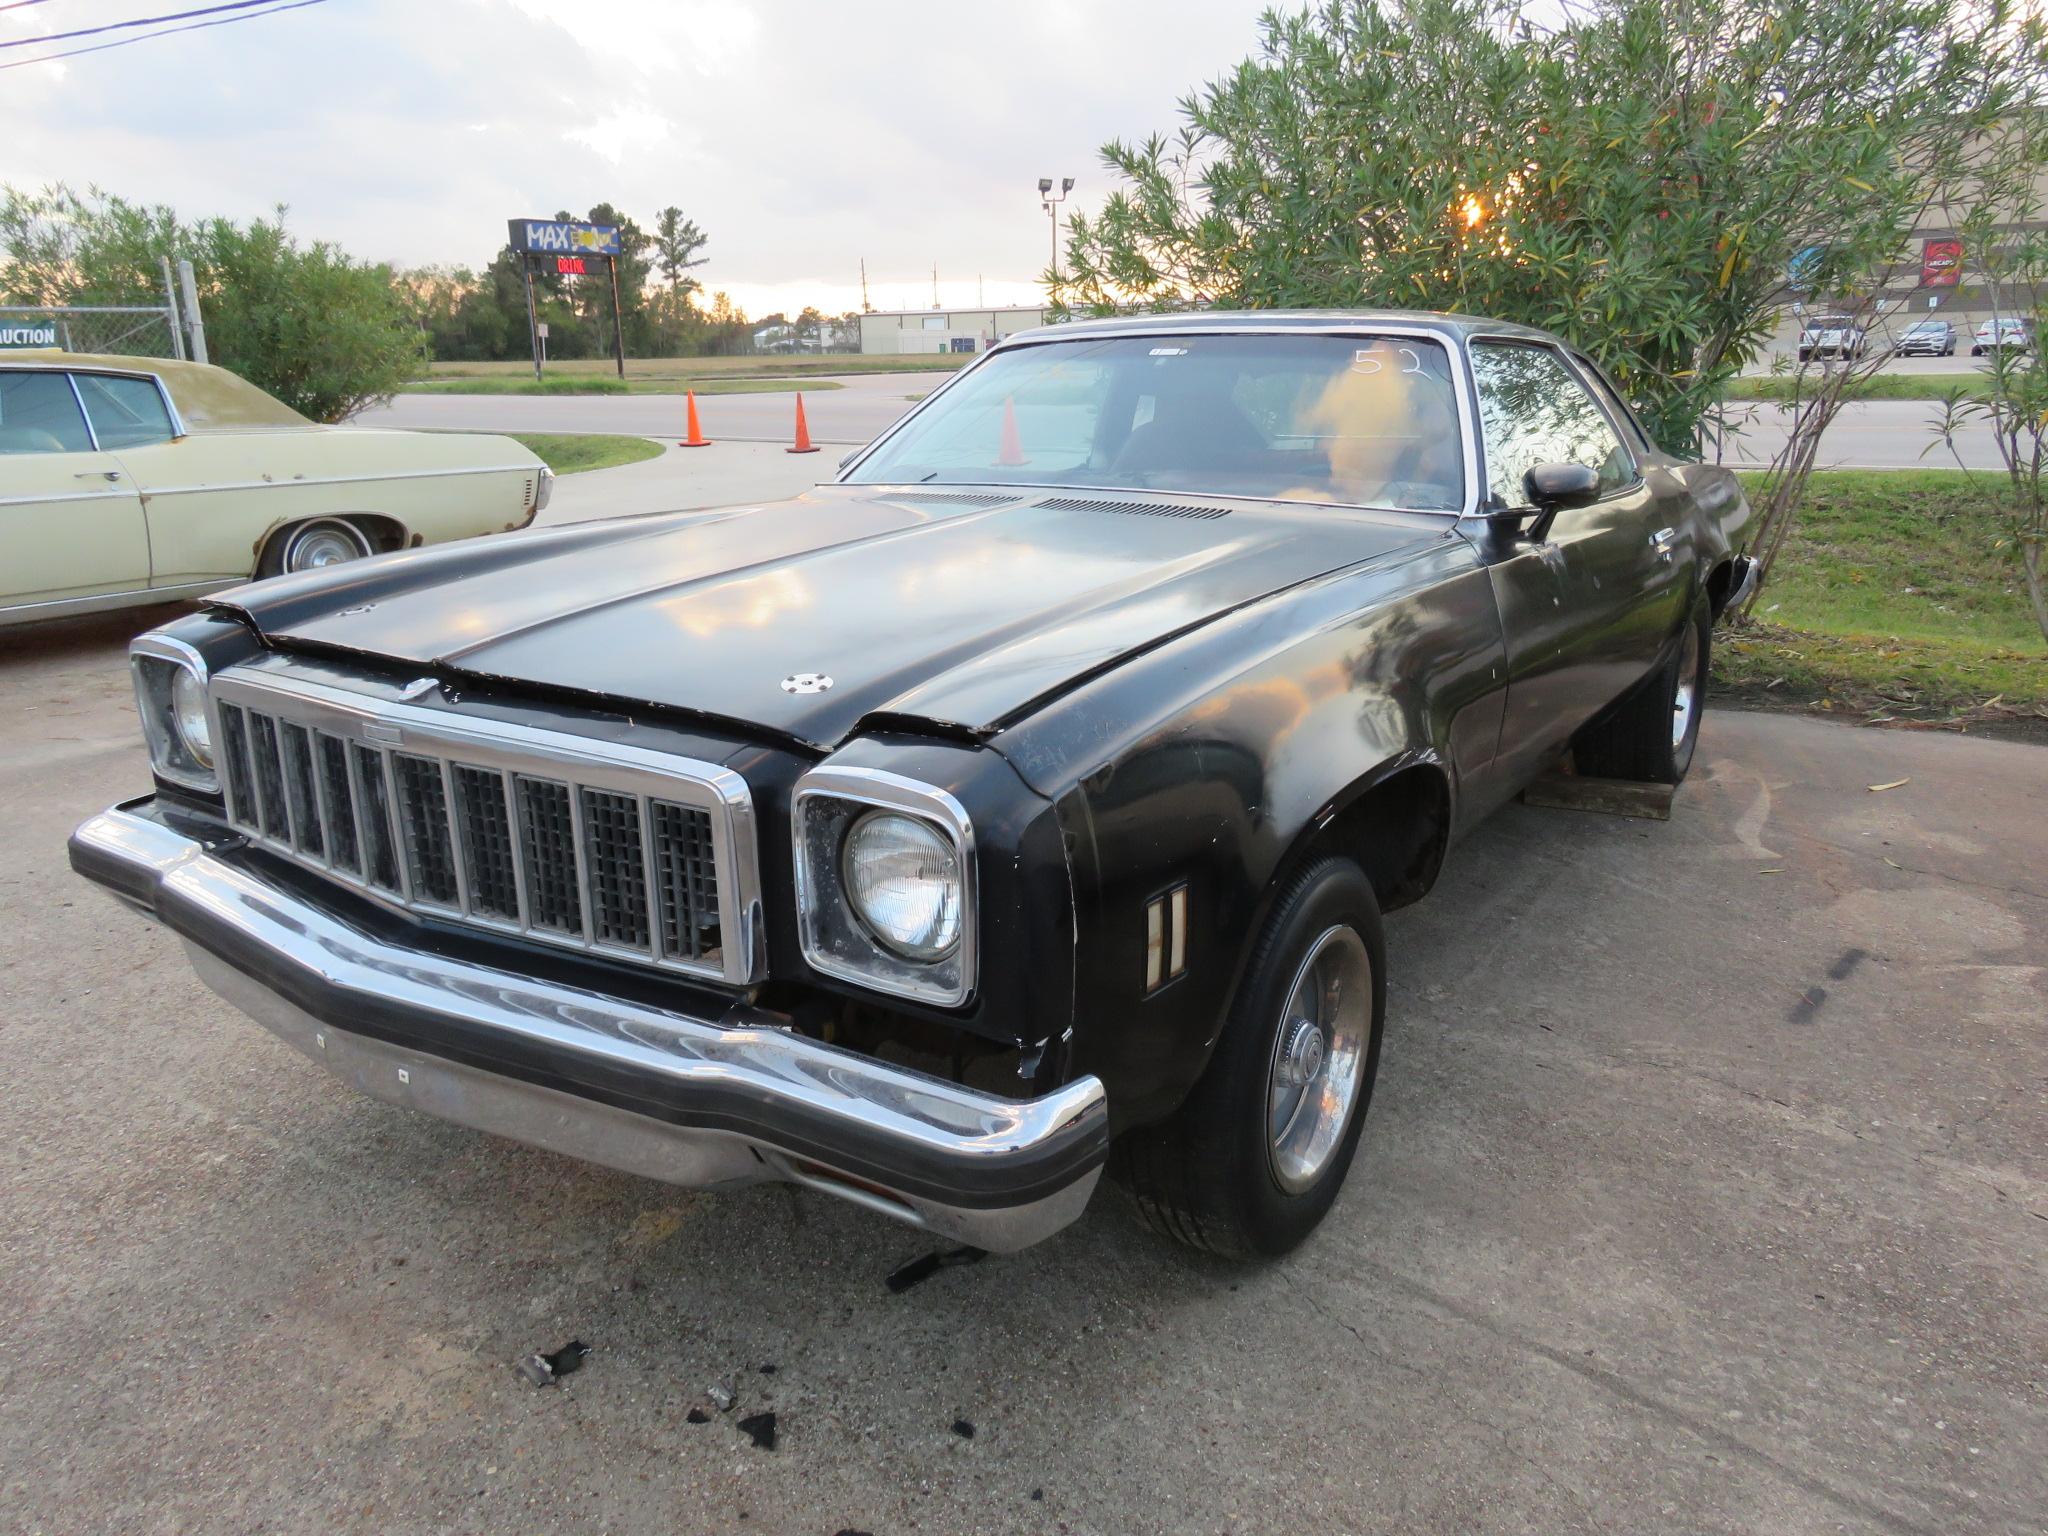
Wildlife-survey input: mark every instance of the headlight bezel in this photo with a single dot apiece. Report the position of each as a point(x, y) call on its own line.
point(155, 662)
point(836, 940)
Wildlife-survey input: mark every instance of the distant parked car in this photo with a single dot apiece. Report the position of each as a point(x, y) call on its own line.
point(2009, 332)
point(1928, 338)
point(1835, 336)
point(132, 480)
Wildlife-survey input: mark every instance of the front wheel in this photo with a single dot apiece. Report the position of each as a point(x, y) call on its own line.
point(1650, 737)
point(1253, 1159)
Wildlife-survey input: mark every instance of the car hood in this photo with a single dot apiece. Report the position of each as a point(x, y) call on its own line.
point(957, 611)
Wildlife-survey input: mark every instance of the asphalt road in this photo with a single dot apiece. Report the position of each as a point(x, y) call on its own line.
point(1706, 1190)
point(1868, 434)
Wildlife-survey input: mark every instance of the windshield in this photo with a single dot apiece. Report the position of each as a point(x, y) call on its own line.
point(1358, 420)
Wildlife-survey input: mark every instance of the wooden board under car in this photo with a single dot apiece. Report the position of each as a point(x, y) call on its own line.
point(1610, 797)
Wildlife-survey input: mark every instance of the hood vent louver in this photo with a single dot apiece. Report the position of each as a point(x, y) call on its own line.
point(1143, 508)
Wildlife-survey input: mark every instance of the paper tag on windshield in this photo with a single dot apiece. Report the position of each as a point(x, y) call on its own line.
point(1169, 352)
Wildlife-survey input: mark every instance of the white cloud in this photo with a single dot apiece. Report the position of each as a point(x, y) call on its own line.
point(804, 135)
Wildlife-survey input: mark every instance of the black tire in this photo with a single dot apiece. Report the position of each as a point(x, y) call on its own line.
point(1642, 739)
point(1209, 1175)
point(290, 549)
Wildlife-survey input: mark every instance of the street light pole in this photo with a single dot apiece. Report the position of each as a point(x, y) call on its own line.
point(1051, 205)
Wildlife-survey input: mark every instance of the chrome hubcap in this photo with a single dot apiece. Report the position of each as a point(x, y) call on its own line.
point(1686, 699)
point(322, 547)
point(1318, 1058)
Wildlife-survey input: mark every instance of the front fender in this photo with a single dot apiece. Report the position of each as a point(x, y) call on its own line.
point(1262, 727)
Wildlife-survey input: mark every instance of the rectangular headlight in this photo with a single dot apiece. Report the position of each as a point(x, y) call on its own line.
point(885, 883)
point(177, 715)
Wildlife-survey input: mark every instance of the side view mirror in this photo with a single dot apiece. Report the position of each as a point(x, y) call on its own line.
point(1551, 489)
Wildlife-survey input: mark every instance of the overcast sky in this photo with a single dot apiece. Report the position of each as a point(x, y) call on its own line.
point(802, 135)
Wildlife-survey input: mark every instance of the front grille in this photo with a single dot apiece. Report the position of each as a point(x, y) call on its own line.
point(599, 847)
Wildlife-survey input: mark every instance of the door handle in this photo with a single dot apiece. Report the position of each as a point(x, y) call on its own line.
point(97, 474)
point(1662, 539)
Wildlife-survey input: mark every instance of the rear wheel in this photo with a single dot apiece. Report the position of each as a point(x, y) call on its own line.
point(1651, 735)
point(1252, 1161)
point(313, 546)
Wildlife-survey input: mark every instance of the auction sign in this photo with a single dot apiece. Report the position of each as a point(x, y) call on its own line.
point(33, 333)
point(1941, 263)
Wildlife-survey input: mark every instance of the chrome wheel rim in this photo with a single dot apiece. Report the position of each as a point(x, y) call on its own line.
point(318, 547)
point(1318, 1060)
point(1686, 699)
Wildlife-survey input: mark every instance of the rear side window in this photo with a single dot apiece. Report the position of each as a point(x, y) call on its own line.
point(126, 413)
point(1533, 410)
point(39, 414)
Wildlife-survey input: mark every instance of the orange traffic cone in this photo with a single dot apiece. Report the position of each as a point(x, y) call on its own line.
point(696, 439)
point(803, 430)
point(1013, 448)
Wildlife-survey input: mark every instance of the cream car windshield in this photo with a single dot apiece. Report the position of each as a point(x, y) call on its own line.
point(1353, 420)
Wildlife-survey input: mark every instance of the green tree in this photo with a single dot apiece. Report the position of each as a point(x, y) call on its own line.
point(323, 332)
point(1637, 179)
point(676, 243)
point(2001, 213)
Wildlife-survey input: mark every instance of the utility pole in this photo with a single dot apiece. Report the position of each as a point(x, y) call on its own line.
point(935, 285)
point(1051, 205)
point(865, 307)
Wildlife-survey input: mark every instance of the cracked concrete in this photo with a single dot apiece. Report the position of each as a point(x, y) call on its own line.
point(1625, 1248)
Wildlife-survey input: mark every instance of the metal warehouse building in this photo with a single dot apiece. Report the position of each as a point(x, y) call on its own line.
point(892, 332)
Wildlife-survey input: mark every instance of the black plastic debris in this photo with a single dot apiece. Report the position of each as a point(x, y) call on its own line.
point(760, 1428)
point(698, 1416)
point(1038, 1495)
point(545, 1370)
point(963, 1428)
point(919, 1270)
point(850, 1531)
point(767, 1370)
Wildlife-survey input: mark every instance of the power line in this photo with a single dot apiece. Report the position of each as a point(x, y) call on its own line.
point(15, 5)
point(140, 21)
point(122, 42)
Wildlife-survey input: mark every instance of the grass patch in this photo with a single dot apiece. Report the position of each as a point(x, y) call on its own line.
point(611, 384)
point(570, 453)
point(1897, 595)
point(1879, 386)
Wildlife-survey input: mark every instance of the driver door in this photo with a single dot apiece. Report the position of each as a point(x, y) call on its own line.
point(1570, 601)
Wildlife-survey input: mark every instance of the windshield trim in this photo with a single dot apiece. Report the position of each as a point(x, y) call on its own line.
point(1444, 337)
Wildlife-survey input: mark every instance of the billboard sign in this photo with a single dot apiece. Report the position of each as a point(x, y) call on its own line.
point(30, 333)
point(1941, 263)
point(560, 237)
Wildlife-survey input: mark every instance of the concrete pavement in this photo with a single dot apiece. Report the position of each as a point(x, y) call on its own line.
point(845, 417)
point(722, 475)
point(1706, 1190)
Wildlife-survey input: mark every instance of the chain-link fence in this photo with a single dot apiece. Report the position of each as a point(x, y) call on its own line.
point(122, 330)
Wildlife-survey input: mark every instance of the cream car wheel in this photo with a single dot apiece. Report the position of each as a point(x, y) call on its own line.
point(312, 546)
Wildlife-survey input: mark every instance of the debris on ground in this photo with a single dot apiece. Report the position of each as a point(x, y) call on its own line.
point(921, 1269)
point(722, 1397)
point(760, 1428)
point(698, 1416)
point(964, 1428)
point(767, 1370)
point(1878, 789)
point(545, 1370)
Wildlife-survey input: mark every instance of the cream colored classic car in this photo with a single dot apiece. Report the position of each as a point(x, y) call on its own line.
point(128, 480)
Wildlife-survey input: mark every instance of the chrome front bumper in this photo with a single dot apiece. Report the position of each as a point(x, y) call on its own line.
point(700, 1101)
